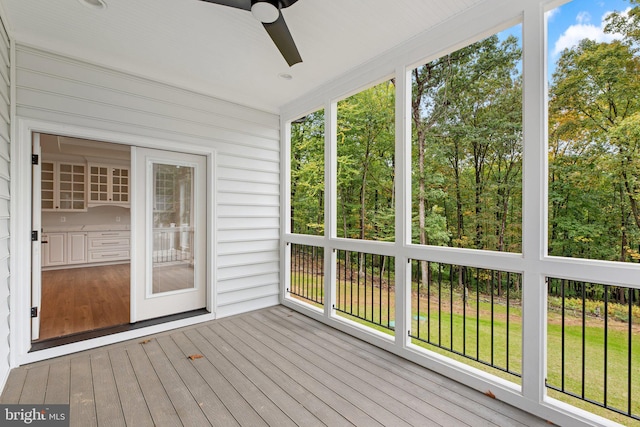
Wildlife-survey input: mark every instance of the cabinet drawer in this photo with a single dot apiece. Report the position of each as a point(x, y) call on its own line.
point(109, 234)
point(115, 255)
point(106, 243)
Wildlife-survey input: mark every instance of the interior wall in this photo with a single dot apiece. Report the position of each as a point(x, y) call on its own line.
point(116, 216)
point(62, 90)
point(5, 198)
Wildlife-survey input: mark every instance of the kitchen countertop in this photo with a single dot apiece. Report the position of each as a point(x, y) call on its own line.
point(67, 228)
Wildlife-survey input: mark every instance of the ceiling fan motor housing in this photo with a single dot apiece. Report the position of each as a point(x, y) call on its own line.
point(265, 11)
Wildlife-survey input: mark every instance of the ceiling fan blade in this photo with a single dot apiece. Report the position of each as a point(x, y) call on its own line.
point(238, 4)
point(281, 36)
point(286, 3)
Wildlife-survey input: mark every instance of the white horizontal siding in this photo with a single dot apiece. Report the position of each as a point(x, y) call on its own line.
point(236, 211)
point(232, 285)
point(244, 187)
point(247, 143)
point(5, 200)
point(248, 294)
point(247, 270)
point(247, 235)
point(230, 174)
point(256, 246)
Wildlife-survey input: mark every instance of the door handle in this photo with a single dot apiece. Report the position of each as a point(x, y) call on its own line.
point(44, 241)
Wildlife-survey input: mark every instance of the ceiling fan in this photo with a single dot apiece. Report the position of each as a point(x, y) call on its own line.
point(269, 13)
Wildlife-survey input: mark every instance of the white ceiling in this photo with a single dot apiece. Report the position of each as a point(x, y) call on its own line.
point(222, 51)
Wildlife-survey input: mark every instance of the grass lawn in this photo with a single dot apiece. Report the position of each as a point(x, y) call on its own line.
point(458, 327)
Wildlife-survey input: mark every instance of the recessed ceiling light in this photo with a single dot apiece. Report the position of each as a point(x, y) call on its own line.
point(285, 76)
point(94, 4)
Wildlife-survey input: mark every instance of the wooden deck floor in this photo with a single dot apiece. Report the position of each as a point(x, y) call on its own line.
point(269, 367)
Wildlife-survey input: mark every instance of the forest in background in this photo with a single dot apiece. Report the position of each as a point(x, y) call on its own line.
point(466, 160)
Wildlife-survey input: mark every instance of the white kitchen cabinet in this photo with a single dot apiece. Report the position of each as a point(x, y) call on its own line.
point(107, 246)
point(76, 247)
point(108, 185)
point(72, 248)
point(63, 186)
point(54, 249)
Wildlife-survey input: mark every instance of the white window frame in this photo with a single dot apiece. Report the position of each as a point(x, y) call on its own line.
point(533, 263)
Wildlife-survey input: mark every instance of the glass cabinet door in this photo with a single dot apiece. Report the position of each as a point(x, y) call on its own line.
point(47, 183)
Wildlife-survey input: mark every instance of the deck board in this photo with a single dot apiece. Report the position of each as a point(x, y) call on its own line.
point(269, 411)
point(81, 396)
point(422, 397)
point(497, 413)
point(108, 408)
point(272, 390)
point(395, 388)
point(372, 398)
point(160, 405)
point(260, 343)
point(268, 367)
point(212, 407)
point(241, 410)
point(134, 408)
point(290, 385)
point(186, 407)
point(35, 385)
point(58, 383)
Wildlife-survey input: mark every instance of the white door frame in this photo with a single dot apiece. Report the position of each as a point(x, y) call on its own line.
point(20, 228)
point(36, 246)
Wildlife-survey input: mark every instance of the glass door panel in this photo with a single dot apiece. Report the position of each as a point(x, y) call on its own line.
point(173, 228)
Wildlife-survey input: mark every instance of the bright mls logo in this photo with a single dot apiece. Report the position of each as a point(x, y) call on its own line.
point(34, 415)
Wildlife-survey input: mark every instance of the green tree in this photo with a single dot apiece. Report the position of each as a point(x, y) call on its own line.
point(366, 163)
point(593, 108)
point(467, 130)
point(307, 174)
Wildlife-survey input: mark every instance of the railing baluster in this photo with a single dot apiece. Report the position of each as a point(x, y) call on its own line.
point(305, 284)
point(477, 313)
point(492, 317)
point(620, 377)
point(451, 310)
point(508, 319)
point(428, 302)
point(464, 276)
point(606, 341)
point(440, 303)
point(389, 295)
point(419, 279)
point(563, 346)
point(584, 331)
point(464, 310)
point(630, 352)
point(360, 300)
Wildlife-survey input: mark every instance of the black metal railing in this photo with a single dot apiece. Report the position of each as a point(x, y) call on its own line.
point(172, 244)
point(593, 344)
point(471, 312)
point(365, 288)
point(307, 273)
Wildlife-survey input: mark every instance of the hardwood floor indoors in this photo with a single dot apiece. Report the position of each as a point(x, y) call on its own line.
point(83, 299)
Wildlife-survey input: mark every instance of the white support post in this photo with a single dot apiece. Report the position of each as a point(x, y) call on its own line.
point(534, 209)
point(403, 206)
point(285, 200)
point(330, 206)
